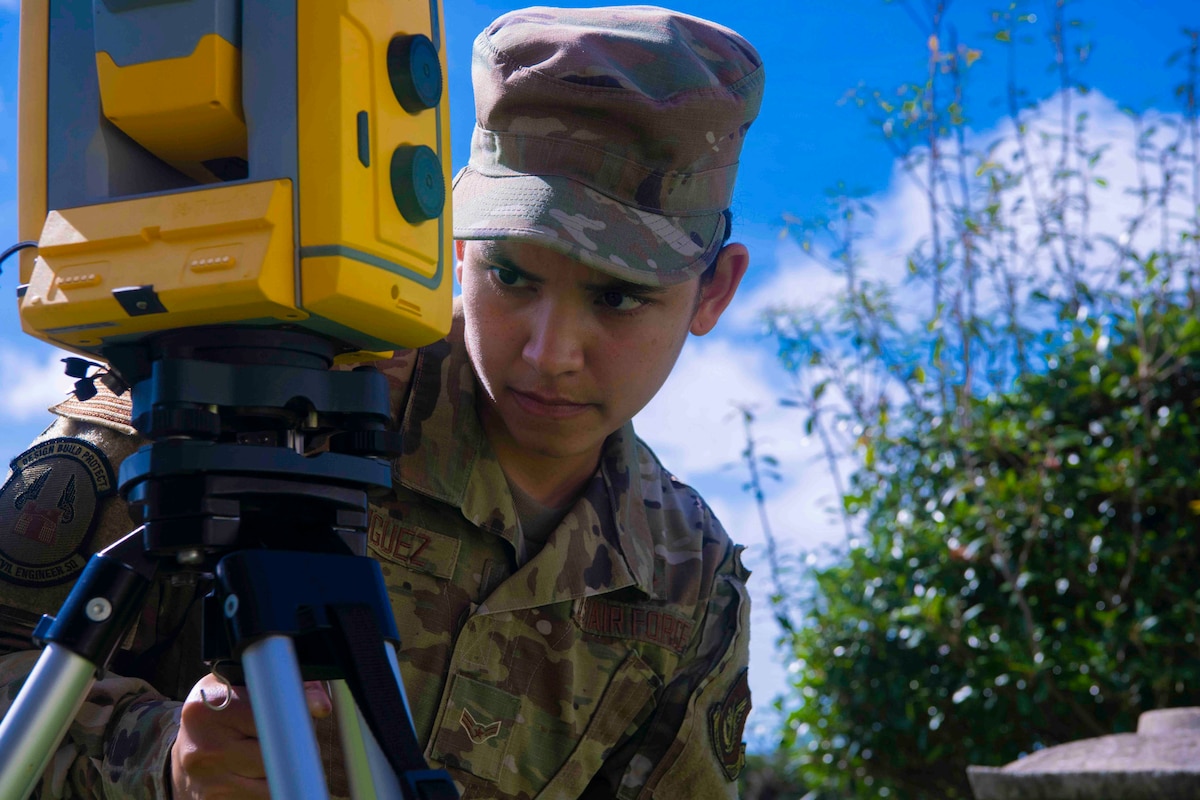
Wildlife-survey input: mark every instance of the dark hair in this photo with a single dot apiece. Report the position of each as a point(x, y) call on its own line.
point(711, 270)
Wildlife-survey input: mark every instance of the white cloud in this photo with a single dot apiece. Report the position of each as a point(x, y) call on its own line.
point(32, 383)
point(797, 280)
point(691, 423)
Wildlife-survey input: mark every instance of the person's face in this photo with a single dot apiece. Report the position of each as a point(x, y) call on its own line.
point(564, 354)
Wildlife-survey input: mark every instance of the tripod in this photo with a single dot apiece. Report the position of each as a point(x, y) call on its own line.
point(227, 488)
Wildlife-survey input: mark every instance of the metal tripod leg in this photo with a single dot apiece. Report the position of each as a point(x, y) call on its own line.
point(39, 718)
point(79, 641)
point(367, 769)
point(334, 611)
point(289, 746)
point(289, 749)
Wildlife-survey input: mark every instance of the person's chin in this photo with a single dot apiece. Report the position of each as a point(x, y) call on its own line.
point(548, 445)
point(555, 438)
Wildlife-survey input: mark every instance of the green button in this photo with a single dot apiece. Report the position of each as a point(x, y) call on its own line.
point(415, 72)
point(417, 183)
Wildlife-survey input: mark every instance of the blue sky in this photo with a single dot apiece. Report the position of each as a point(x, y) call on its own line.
point(803, 143)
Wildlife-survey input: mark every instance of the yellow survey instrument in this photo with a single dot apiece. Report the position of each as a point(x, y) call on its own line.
point(255, 162)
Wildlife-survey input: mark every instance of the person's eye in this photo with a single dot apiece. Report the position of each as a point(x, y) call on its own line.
point(621, 301)
point(507, 277)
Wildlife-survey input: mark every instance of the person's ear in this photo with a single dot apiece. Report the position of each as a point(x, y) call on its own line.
point(732, 263)
point(459, 248)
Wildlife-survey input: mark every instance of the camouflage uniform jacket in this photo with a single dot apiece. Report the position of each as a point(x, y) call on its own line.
point(612, 663)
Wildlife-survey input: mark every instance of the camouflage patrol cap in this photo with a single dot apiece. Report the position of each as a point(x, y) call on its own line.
point(611, 135)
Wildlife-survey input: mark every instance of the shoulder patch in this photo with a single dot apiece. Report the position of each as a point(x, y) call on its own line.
point(49, 509)
point(727, 721)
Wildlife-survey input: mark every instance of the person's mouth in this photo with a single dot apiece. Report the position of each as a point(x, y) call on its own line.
point(549, 406)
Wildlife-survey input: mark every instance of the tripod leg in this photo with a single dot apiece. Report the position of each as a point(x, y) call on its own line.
point(345, 597)
point(367, 768)
point(39, 718)
point(81, 639)
point(289, 746)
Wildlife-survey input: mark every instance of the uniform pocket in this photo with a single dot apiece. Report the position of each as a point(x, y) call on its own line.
point(625, 703)
point(477, 727)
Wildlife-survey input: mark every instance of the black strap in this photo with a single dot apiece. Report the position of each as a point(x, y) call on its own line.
point(371, 680)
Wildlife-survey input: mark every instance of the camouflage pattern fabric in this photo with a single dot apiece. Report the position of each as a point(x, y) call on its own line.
point(611, 135)
point(121, 739)
point(118, 745)
point(611, 664)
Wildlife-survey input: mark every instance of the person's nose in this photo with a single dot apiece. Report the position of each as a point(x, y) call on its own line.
point(557, 338)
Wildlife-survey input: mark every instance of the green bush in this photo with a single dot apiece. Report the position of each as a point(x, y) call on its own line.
point(1027, 575)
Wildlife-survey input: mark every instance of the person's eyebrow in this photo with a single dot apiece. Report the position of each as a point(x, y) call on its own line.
point(624, 287)
point(496, 257)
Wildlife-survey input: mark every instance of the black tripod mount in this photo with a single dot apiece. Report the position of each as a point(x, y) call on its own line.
point(257, 476)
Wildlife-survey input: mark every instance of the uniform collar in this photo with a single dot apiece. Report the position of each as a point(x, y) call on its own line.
point(603, 544)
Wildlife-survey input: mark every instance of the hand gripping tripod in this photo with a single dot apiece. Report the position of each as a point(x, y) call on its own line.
point(227, 488)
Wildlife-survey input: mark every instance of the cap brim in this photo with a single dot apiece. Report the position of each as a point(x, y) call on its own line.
point(570, 218)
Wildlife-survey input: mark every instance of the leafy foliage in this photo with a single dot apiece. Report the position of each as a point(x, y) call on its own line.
point(1019, 404)
point(1027, 575)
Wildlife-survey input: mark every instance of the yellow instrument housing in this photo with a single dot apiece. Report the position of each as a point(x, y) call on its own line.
point(351, 227)
point(184, 110)
point(310, 234)
point(219, 256)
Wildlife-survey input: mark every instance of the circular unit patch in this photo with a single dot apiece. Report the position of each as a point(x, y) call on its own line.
point(48, 511)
